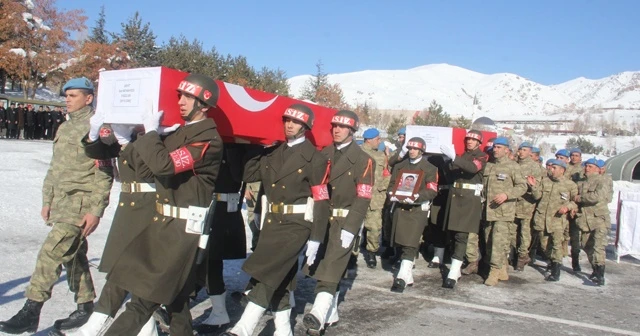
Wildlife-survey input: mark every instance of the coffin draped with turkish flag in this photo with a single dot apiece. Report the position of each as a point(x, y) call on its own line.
point(242, 114)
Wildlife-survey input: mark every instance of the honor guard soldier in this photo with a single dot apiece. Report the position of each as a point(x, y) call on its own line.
point(351, 189)
point(185, 166)
point(555, 194)
point(373, 221)
point(525, 205)
point(592, 199)
point(399, 154)
point(74, 197)
point(503, 183)
point(411, 214)
point(295, 214)
point(228, 240)
point(464, 206)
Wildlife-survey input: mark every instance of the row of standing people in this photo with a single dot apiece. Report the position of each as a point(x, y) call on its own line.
point(20, 122)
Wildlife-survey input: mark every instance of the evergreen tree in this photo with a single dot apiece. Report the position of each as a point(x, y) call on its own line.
point(396, 124)
point(138, 41)
point(99, 33)
point(315, 84)
point(181, 54)
point(434, 115)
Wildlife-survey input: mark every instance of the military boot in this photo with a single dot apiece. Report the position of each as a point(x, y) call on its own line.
point(388, 253)
point(26, 320)
point(494, 277)
point(522, 261)
point(504, 273)
point(555, 272)
point(599, 279)
point(370, 259)
point(77, 318)
point(575, 262)
point(472, 268)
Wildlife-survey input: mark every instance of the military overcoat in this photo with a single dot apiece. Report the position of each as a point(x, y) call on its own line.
point(464, 206)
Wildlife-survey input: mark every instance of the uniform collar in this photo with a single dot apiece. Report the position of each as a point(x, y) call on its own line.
point(414, 161)
point(83, 113)
point(297, 141)
point(341, 146)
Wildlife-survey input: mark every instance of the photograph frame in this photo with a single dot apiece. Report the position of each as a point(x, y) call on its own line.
point(401, 190)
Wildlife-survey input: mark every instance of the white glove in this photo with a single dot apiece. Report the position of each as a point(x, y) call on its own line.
point(95, 122)
point(346, 237)
point(122, 133)
point(408, 200)
point(448, 150)
point(166, 130)
point(403, 152)
point(151, 119)
point(394, 199)
point(312, 250)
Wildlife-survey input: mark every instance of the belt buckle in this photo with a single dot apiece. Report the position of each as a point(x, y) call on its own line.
point(274, 208)
point(126, 187)
point(288, 209)
point(340, 212)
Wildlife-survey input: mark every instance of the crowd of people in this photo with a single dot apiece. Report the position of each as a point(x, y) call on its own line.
point(178, 215)
point(24, 121)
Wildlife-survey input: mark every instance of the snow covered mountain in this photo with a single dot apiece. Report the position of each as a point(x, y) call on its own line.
point(502, 95)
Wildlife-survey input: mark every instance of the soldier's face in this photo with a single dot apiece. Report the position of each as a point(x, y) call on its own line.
point(292, 128)
point(603, 171)
point(555, 171)
point(500, 151)
point(563, 158)
point(340, 133)
point(576, 158)
point(401, 138)
point(591, 169)
point(535, 156)
point(375, 142)
point(471, 144)
point(77, 99)
point(524, 153)
point(414, 153)
point(187, 103)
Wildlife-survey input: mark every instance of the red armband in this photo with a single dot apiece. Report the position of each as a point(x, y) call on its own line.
point(478, 163)
point(433, 186)
point(364, 190)
point(320, 192)
point(103, 163)
point(182, 160)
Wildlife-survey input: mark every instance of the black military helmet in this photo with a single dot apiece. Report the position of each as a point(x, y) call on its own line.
point(301, 113)
point(417, 143)
point(474, 134)
point(346, 118)
point(202, 87)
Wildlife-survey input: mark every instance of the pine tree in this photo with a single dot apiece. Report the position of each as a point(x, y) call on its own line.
point(138, 41)
point(396, 124)
point(315, 84)
point(99, 33)
point(434, 115)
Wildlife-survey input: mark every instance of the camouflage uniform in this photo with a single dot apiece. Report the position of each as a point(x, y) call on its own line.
point(75, 185)
point(373, 219)
point(503, 176)
point(592, 217)
point(552, 195)
point(525, 205)
point(574, 172)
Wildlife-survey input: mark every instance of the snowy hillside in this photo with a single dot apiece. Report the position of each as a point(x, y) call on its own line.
point(500, 96)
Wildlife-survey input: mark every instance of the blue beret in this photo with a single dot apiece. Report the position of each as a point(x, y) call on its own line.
point(563, 152)
point(592, 161)
point(78, 83)
point(381, 147)
point(540, 159)
point(557, 162)
point(371, 133)
point(575, 150)
point(501, 141)
point(402, 131)
point(550, 161)
point(526, 144)
point(535, 150)
point(601, 163)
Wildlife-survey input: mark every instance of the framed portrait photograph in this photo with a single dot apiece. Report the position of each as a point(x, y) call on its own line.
point(407, 183)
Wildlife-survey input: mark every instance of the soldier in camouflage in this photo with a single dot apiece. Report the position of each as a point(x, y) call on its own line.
point(503, 183)
point(521, 233)
point(373, 220)
point(555, 194)
point(575, 173)
point(74, 196)
point(592, 199)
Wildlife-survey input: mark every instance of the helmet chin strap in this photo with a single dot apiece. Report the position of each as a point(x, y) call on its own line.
point(345, 140)
point(197, 106)
point(300, 133)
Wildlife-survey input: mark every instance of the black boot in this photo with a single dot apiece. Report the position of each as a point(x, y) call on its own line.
point(555, 272)
point(389, 252)
point(599, 279)
point(449, 283)
point(77, 318)
point(398, 285)
point(575, 262)
point(26, 320)
point(370, 259)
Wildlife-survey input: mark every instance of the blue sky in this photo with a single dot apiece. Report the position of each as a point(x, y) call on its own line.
point(546, 41)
